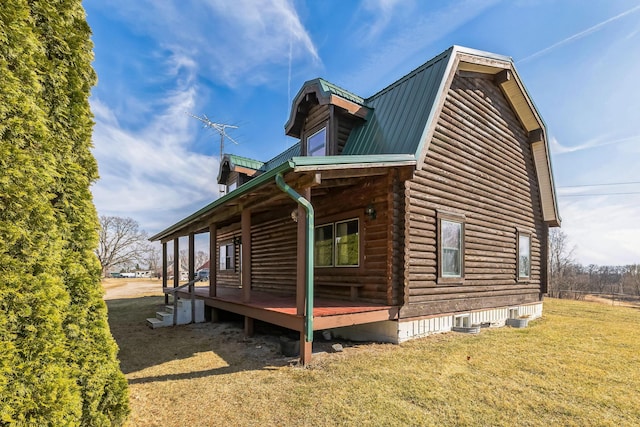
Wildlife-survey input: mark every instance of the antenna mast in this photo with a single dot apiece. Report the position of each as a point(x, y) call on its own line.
point(221, 129)
point(218, 127)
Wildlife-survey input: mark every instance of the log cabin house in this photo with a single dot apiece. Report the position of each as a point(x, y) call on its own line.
point(421, 208)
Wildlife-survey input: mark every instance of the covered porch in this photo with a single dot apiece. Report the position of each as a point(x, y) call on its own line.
point(267, 230)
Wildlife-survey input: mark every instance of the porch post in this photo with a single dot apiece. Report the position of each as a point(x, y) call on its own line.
point(246, 266)
point(301, 274)
point(246, 254)
point(176, 262)
point(213, 259)
point(192, 256)
point(164, 271)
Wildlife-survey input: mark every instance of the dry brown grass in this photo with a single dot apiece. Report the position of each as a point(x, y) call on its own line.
point(576, 366)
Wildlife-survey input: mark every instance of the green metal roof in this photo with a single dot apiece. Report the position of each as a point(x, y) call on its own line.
point(329, 88)
point(286, 166)
point(245, 162)
point(290, 152)
point(401, 112)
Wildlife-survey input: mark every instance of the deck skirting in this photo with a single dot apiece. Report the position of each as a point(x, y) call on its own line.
point(398, 331)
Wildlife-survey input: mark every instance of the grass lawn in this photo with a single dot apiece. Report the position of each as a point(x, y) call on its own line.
point(577, 366)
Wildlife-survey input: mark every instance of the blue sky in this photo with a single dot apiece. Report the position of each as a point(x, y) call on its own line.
point(240, 62)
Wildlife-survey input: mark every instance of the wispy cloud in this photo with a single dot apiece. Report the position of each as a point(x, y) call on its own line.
point(381, 12)
point(408, 36)
point(150, 173)
point(579, 35)
point(557, 148)
point(233, 42)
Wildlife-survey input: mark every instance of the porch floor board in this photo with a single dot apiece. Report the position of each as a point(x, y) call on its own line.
point(281, 309)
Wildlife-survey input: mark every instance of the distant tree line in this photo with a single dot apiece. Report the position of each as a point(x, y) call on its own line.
point(570, 279)
point(124, 246)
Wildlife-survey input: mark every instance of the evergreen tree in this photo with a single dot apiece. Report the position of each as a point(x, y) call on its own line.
point(58, 361)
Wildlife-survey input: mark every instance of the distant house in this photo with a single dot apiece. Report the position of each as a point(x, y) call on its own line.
point(423, 207)
point(143, 274)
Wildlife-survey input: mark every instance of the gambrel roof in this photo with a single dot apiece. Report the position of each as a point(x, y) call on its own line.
point(401, 117)
point(399, 122)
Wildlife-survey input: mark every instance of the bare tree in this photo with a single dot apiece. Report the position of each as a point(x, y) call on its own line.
point(560, 259)
point(632, 279)
point(201, 258)
point(154, 260)
point(121, 242)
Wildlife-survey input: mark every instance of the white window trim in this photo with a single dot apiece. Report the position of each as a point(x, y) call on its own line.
point(222, 259)
point(518, 276)
point(324, 128)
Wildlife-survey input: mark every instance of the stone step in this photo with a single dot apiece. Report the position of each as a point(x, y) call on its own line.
point(154, 323)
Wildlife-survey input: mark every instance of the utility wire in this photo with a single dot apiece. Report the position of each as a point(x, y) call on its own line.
point(599, 185)
point(598, 194)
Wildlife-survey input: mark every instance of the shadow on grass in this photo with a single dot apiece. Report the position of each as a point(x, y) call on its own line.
point(142, 347)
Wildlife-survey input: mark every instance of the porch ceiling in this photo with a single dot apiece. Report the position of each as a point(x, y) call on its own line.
point(261, 193)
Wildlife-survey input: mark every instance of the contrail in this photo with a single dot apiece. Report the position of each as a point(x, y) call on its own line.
point(579, 35)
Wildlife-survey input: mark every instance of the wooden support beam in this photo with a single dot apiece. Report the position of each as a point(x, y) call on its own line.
point(536, 135)
point(192, 256)
point(213, 260)
point(503, 77)
point(246, 254)
point(306, 349)
point(248, 326)
point(176, 263)
point(165, 268)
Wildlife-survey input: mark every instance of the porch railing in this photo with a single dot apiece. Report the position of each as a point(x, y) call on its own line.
point(192, 295)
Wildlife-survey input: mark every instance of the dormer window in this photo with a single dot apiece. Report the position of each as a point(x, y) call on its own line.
point(317, 143)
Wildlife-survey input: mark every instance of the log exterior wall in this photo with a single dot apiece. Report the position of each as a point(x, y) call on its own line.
point(479, 164)
point(274, 250)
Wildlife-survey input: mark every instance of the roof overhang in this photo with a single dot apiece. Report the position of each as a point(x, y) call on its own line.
point(262, 192)
point(506, 77)
point(228, 165)
point(312, 93)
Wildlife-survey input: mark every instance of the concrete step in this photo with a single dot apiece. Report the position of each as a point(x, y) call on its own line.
point(163, 316)
point(154, 323)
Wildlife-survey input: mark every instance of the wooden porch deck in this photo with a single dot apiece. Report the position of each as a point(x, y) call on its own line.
point(281, 309)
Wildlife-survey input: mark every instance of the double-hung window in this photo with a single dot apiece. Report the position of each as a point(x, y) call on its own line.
point(524, 256)
point(226, 256)
point(337, 244)
point(450, 247)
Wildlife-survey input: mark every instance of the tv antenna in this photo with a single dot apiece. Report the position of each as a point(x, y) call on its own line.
point(221, 128)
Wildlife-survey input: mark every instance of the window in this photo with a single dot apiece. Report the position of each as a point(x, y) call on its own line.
point(347, 243)
point(317, 143)
point(451, 255)
point(232, 186)
point(337, 244)
point(226, 257)
point(450, 249)
point(323, 248)
point(524, 256)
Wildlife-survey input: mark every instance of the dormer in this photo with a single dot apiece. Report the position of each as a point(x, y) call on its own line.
point(322, 117)
point(236, 170)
